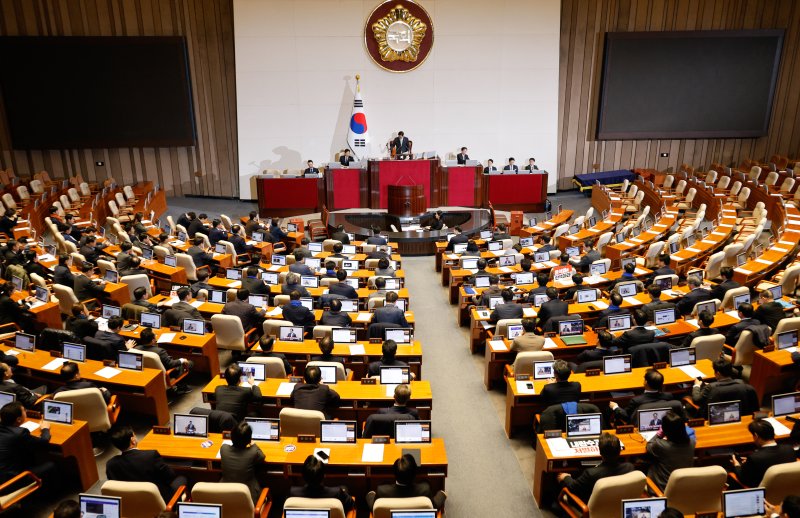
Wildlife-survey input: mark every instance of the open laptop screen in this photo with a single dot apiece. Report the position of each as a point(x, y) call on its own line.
point(543, 370)
point(743, 502)
point(401, 335)
point(664, 316)
point(57, 411)
point(395, 375)
point(74, 352)
point(194, 327)
point(338, 431)
point(570, 327)
point(257, 370)
point(682, 356)
point(343, 335)
point(25, 342)
point(785, 404)
point(291, 333)
point(192, 510)
point(264, 429)
point(617, 364)
point(650, 419)
point(95, 505)
point(643, 507)
point(190, 425)
point(786, 339)
point(584, 425)
point(412, 431)
point(523, 278)
point(626, 289)
point(619, 322)
point(130, 360)
point(725, 412)
point(152, 320)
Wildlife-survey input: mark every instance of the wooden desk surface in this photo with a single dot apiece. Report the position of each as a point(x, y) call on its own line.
point(311, 348)
point(74, 441)
point(347, 390)
point(547, 226)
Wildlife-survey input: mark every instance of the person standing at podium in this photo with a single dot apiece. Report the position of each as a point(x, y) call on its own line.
point(511, 167)
point(490, 168)
point(531, 165)
point(401, 145)
point(346, 159)
point(311, 170)
point(462, 157)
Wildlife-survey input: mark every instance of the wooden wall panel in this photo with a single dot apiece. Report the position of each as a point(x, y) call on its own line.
point(583, 24)
point(208, 28)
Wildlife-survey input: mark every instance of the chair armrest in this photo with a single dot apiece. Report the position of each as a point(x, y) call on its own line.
point(250, 337)
point(690, 403)
point(352, 512)
point(734, 478)
point(113, 409)
point(41, 399)
point(92, 302)
point(176, 498)
point(263, 505)
point(243, 258)
point(650, 485)
point(25, 474)
point(565, 497)
point(206, 268)
point(509, 371)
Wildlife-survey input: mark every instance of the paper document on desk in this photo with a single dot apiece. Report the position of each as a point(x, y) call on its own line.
point(506, 269)
point(632, 301)
point(791, 349)
point(528, 312)
point(498, 253)
point(226, 441)
point(648, 435)
point(29, 425)
point(273, 267)
point(486, 325)
point(692, 250)
point(166, 338)
point(46, 257)
point(671, 293)
point(733, 314)
point(12, 352)
point(107, 372)
point(498, 345)
point(235, 284)
point(764, 261)
point(691, 370)
point(780, 428)
point(550, 264)
point(390, 390)
point(599, 304)
point(550, 344)
point(692, 322)
point(594, 279)
point(558, 445)
point(54, 364)
point(285, 389)
point(364, 317)
point(639, 271)
point(357, 349)
point(743, 271)
point(372, 453)
point(102, 323)
point(522, 387)
point(196, 303)
point(275, 312)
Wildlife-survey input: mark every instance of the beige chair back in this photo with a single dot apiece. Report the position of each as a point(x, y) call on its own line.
point(87, 405)
point(321, 331)
point(692, 490)
point(502, 325)
point(137, 281)
point(272, 327)
point(229, 332)
point(608, 493)
point(66, 298)
point(38, 280)
point(274, 366)
point(781, 480)
point(104, 265)
point(713, 265)
point(327, 245)
point(139, 499)
point(185, 261)
point(226, 221)
point(730, 295)
point(234, 497)
point(296, 421)
point(383, 507)
point(787, 324)
point(341, 374)
point(334, 505)
point(282, 300)
point(375, 302)
point(708, 347)
point(523, 363)
point(161, 251)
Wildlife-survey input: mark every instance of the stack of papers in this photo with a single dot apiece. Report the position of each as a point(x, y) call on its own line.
point(372, 453)
point(357, 349)
point(632, 301)
point(780, 428)
point(599, 304)
point(107, 372)
point(166, 338)
point(522, 387)
point(528, 312)
point(692, 371)
point(30, 425)
point(364, 317)
point(733, 314)
point(498, 345)
point(54, 364)
point(285, 389)
point(275, 312)
point(550, 344)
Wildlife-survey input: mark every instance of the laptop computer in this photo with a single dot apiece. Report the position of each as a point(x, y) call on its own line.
point(643, 507)
point(194, 327)
point(507, 260)
point(96, 505)
point(785, 404)
point(264, 429)
point(539, 299)
point(784, 340)
point(543, 370)
point(541, 257)
point(620, 364)
point(57, 411)
point(470, 263)
point(406, 432)
point(270, 278)
point(584, 429)
point(413, 513)
point(328, 374)
point(619, 322)
point(626, 289)
point(494, 246)
point(152, 320)
point(258, 371)
point(6, 398)
point(482, 281)
point(573, 251)
point(307, 513)
point(513, 331)
point(571, 332)
point(777, 295)
point(585, 296)
point(724, 412)
point(665, 283)
point(401, 335)
point(171, 260)
point(682, 356)
point(743, 502)
point(523, 278)
point(74, 352)
point(130, 360)
point(710, 306)
point(290, 333)
point(193, 510)
point(596, 269)
point(741, 299)
point(190, 425)
point(459, 248)
point(662, 317)
point(526, 242)
point(343, 335)
point(24, 342)
point(337, 431)
point(395, 375)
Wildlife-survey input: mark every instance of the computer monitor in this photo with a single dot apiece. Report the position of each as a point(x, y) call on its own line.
point(700, 274)
point(494, 301)
point(194, 327)
point(279, 260)
point(350, 266)
point(539, 299)
point(626, 289)
point(171, 260)
point(507, 260)
point(111, 311)
point(258, 237)
point(580, 426)
point(233, 274)
point(26, 342)
point(192, 510)
point(710, 306)
point(6, 398)
point(258, 371)
point(57, 411)
point(486, 234)
point(541, 257)
point(643, 507)
point(725, 412)
point(573, 229)
point(217, 296)
point(309, 281)
point(337, 431)
point(315, 247)
point(543, 370)
point(592, 222)
point(523, 278)
point(264, 429)
point(470, 263)
point(314, 263)
point(395, 375)
point(270, 277)
point(597, 268)
point(459, 248)
point(783, 340)
point(495, 245)
point(74, 352)
point(291, 227)
point(741, 259)
point(786, 404)
point(94, 506)
point(395, 283)
point(343, 335)
point(620, 237)
point(513, 330)
point(635, 231)
point(290, 333)
point(573, 251)
point(617, 364)
point(570, 327)
point(147, 253)
point(777, 292)
point(583, 296)
point(307, 302)
point(664, 316)
point(401, 304)
point(526, 242)
point(152, 320)
point(665, 283)
point(111, 276)
point(413, 513)
point(401, 335)
point(482, 281)
point(689, 240)
point(41, 294)
point(682, 356)
point(130, 360)
point(743, 502)
point(190, 425)
point(741, 299)
point(649, 420)
point(412, 432)
point(17, 282)
point(328, 374)
point(307, 513)
point(182, 236)
point(259, 301)
point(619, 322)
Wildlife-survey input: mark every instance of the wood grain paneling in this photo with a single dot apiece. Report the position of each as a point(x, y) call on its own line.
point(583, 24)
point(208, 28)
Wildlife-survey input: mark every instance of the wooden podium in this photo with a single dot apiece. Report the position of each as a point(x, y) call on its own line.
point(407, 200)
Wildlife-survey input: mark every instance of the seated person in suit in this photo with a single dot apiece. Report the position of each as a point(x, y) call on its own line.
point(603, 348)
point(240, 246)
point(531, 165)
point(705, 393)
point(637, 335)
point(376, 238)
point(511, 166)
point(252, 224)
point(610, 466)
point(310, 170)
point(402, 395)
point(312, 395)
point(528, 341)
point(200, 255)
point(183, 307)
point(346, 158)
point(242, 459)
point(341, 236)
point(334, 316)
point(276, 231)
point(123, 260)
point(627, 276)
point(769, 312)
point(508, 309)
point(493, 290)
point(380, 289)
point(134, 268)
point(561, 390)
point(148, 342)
point(747, 319)
point(80, 323)
point(401, 145)
point(543, 244)
point(437, 223)
point(140, 299)
point(672, 448)
point(472, 250)
point(198, 224)
point(297, 313)
point(458, 237)
point(384, 269)
point(719, 291)
point(62, 273)
point(542, 278)
point(135, 465)
point(656, 303)
point(590, 255)
point(266, 343)
point(314, 477)
point(202, 282)
point(552, 308)
point(113, 337)
point(341, 287)
point(390, 313)
point(233, 398)
point(250, 315)
point(24, 395)
point(91, 251)
point(406, 485)
point(705, 319)
point(326, 348)
point(217, 233)
point(653, 393)
point(501, 233)
point(577, 279)
point(388, 359)
point(564, 270)
point(614, 308)
point(303, 248)
point(696, 294)
point(768, 453)
point(490, 167)
point(71, 376)
point(462, 157)
point(299, 266)
point(86, 288)
point(19, 450)
point(663, 267)
point(293, 284)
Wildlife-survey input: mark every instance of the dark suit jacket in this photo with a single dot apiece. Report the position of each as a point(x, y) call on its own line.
point(298, 315)
point(552, 308)
point(374, 368)
point(188, 309)
point(390, 314)
point(117, 341)
point(401, 144)
point(17, 447)
point(725, 390)
point(252, 225)
point(236, 399)
point(340, 493)
point(651, 307)
point(90, 253)
point(239, 244)
point(344, 289)
point(456, 239)
point(240, 465)
point(300, 269)
point(511, 168)
point(686, 304)
point(503, 311)
point(255, 286)
point(196, 226)
point(199, 256)
point(217, 234)
point(561, 392)
point(591, 355)
point(462, 158)
point(635, 336)
point(770, 314)
point(335, 318)
point(166, 360)
point(583, 485)
point(287, 289)
point(314, 397)
point(247, 313)
point(635, 402)
point(491, 291)
point(535, 167)
point(718, 291)
point(82, 327)
point(752, 471)
point(142, 466)
point(376, 240)
point(64, 276)
point(487, 170)
point(123, 261)
point(24, 395)
point(183, 220)
point(400, 410)
point(345, 160)
point(310, 170)
point(736, 329)
point(86, 289)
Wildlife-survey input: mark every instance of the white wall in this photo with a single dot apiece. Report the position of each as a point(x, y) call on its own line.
point(490, 82)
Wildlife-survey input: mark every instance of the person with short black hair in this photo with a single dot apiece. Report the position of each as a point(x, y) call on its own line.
point(140, 299)
point(297, 313)
point(241, 459)
point(553, 307)
point(560, 390)
point(201, 284)
point(704, 393)
point(458, 238)
point(19, 450)
point(653, 393)
point(314, 477)
point(345, 158)
point(769, 312)
point(402, 395)
point(636, 336)
point(251, 316)
point(705, 319)
point(310, 170)
point(200, 254)
point(313, 395)
point(71, 376)
point(656, 303)
point(462, 157)
point(182, 309)
point(614, 308)
point(234, 398)
point(789, 508)
point(341, 287)
point(112, 336)
point(490, 167)
point(390, 313)
point(670, 512)
point(605, 347)
point(493, 290)
point(62, 274)
point(292, 283)
point(299, 266)
point(384, 268)
point(389, 358)
point(531, 165)
point(341, 236)
point(577, 280)
point(663, 267)
point(628, 275)
point(266, 343)
point(406, 485)
point(85, 288)
point(768, 453)
point(718, 292)
point(334, 316)
point(511, 166)
point(326, 348)
point(508, 309)
point(528, 341)
point(610, 466)
point(217, 233)
point(747, 319)
point(148, 342)
point(672, 449)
